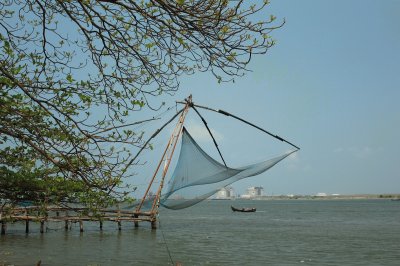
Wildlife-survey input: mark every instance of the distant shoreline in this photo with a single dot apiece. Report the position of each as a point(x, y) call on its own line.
point(327, 197)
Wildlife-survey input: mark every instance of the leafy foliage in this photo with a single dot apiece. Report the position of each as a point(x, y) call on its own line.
point(62, 61)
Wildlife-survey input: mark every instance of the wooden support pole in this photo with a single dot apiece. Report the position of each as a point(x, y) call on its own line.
point(154, 224)
point(42, 226)
point(101, 225)
point(66, 221)
point(136, 222)
point(27, 226)
point(119, 221)
point(81, 226)
point(166, 157)
point(3, 227)
point(26, 222)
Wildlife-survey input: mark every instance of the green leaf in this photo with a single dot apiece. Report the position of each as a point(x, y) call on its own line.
point(69, 78)
point(149, 45)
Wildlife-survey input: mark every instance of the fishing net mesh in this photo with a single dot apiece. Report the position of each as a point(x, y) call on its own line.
point(197, 176)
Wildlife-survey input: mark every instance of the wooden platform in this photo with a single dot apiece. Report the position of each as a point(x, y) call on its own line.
point(72, 215)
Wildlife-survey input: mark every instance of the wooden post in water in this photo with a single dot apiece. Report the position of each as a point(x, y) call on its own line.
point(66, 221)
point(41, 226)
point(101, 225)
point(154, 224)
point(136, 222)
point(80, 226)
point(3, 227)
point(119, 221)
point(27, 226)
point(26, 222)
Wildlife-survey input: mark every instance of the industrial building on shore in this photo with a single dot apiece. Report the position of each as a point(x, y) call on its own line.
point(229, 193)
point(253, 192)
point(225, 193)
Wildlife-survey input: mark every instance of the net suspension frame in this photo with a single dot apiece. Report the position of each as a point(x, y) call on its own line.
point(166, 158)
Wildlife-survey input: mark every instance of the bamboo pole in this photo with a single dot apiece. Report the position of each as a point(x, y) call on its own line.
point(168, 151)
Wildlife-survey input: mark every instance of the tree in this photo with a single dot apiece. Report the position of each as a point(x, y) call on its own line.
point(63, 60)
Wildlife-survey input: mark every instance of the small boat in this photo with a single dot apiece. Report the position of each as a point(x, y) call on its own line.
point(243, 209)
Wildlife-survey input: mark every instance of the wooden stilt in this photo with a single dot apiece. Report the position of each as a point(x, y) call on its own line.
point(136, 222)
point(27, 226)
point(81, 226)
point(42, 226)
point(101, 225)
point(26, 222)
point(3, 227)
point(154, 224)
point(119, 221)
point(66, 225)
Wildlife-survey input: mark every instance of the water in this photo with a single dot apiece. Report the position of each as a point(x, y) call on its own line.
point(335, 232)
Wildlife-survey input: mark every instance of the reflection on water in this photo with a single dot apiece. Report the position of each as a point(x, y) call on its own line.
point(364, 232)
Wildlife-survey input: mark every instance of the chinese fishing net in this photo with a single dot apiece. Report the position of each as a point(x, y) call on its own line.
point(197, 176)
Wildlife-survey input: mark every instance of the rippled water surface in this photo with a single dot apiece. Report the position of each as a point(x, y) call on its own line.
point(357, 232)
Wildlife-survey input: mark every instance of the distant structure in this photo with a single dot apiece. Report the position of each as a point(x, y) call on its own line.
point(253, 192)
point(225, 193)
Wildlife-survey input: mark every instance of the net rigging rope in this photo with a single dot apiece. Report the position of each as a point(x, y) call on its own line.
point(165, 240)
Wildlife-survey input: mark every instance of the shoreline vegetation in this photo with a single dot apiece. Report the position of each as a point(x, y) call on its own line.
point(325, 197)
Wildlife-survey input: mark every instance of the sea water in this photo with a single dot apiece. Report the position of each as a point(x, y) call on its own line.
point(291, 232)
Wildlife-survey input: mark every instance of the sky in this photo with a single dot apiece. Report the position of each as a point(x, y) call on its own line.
point(330, 85)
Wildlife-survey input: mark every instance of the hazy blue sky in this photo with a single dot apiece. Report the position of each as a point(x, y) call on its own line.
point(331, 85)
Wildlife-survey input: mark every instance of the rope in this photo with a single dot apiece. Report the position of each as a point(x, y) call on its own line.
point(165, 241)
point(209, 131)
point(244, 121)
